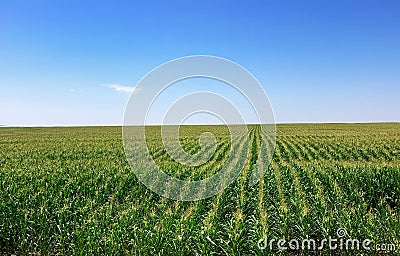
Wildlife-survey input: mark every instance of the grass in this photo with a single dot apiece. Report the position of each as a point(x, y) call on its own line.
point(71, 191)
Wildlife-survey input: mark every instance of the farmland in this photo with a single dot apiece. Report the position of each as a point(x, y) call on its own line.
point(71, 191)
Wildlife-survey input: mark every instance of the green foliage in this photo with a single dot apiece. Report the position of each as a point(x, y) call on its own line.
point(70, 191)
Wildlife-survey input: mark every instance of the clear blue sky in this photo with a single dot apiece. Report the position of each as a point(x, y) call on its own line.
point(319, 61)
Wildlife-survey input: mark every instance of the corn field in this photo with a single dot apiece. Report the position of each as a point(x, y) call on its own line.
point(71, 191)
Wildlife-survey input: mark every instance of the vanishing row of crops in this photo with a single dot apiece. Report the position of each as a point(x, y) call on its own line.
point(71, 191)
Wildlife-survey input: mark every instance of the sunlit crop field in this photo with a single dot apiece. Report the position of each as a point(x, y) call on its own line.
point(71, 191)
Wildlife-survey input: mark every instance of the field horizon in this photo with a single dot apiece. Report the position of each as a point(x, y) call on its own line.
point(119, 125)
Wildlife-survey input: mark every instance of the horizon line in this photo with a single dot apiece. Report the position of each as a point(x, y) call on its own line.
point(117, 125)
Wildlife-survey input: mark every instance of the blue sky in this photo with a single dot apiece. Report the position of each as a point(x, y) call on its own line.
point(61, 62)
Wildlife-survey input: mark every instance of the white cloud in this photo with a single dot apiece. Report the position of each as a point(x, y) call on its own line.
point(121, 88)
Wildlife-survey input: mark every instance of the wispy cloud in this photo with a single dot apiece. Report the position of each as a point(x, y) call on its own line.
point(121, 88)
